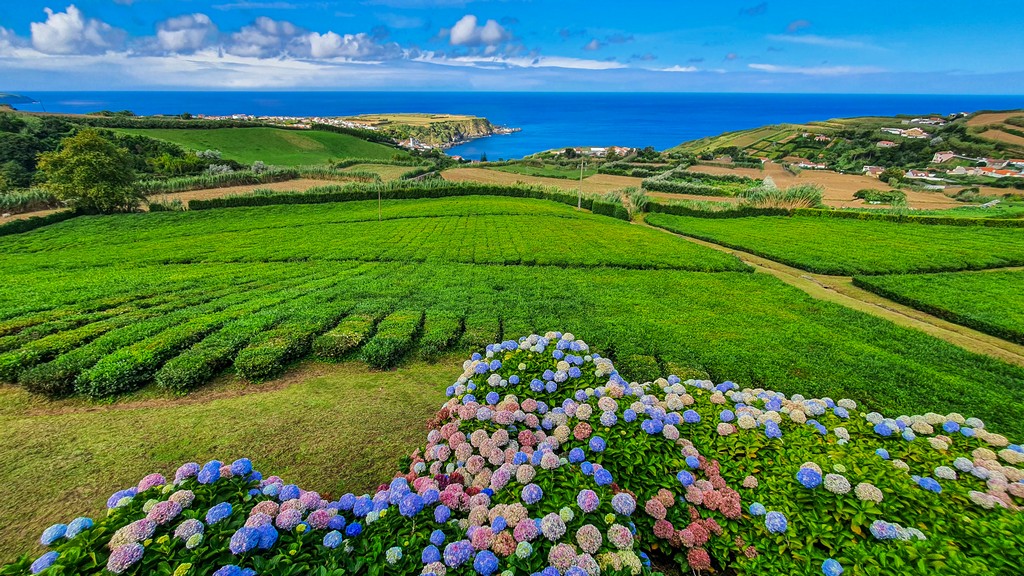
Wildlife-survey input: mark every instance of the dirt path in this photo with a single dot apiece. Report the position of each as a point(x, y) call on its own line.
point(840, 290)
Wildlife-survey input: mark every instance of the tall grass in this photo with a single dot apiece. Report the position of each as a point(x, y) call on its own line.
point(248, 178)
point(800, 196)
point(16, 202)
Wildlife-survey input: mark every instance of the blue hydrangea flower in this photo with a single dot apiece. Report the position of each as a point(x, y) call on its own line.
point(727, 416)
point(410, 505)
point(44, 562)
point(437, 537)
point(775, 522)
point(623, 504)
point(693, 462)
point(532, 494)
point(691, 417)
point(441, 514)
point(809, 478)
point(586, 467)
point(629, 415)
point(684, 477)
point(485, 563)
point(951, 426)
point(241, 467)
point(243, 540)
point(218, 513)
point(757, 509)
point(603, 477)
point(53, 533)
point(228, 570)
point(930, 484)
point(457, 553)
point(772, 430)
point(883, 429)
point(576, 455)
point(430, 554)
point(210, 472)
point(831, 567)
point(76, 526)
point(268, 536)
point(332, 539)
point(354, 529)
point(513, 379)
point(492, 398)
point(597, 444)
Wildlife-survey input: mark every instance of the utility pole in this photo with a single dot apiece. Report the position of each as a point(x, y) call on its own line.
point(579, 197)
point(378, 203)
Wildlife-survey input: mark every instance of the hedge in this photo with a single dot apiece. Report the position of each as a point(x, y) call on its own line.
point(395, 336)
point(440, 331)
point(613, 209)
point(29, 224)
point(397, 190)
point(746, 212)
point(348, 335)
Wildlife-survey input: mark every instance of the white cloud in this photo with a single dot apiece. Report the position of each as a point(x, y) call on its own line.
point(678, 68)
point(264, 38)
point(70, 32)
point(468, 32)
point(817, 70)
point(822, 41)
point(186, 33)
point(520, 62)
point(351, 47)
point(594, 44)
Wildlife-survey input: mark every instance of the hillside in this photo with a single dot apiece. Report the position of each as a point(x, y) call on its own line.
point(273, 145)
point(431, 129)
point(849, 144)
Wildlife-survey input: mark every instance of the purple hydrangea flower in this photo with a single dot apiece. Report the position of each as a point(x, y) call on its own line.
point(186, 471)
point(124, 557)
point(587, 500)
point(532, 494)
point(623, 504)
point(457, 553)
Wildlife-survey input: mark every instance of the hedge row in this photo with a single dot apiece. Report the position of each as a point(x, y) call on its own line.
point(613, 209)
point(165, 123)
point(397, 190)
point(204, 181)
point(274, 350)
point(440, 331)
point(28, 224)
point(395, 336)
point(481, 330)
point(746, 212)
point(348, 335)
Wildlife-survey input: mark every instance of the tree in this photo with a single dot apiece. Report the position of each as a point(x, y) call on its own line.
point(570, 153)
point(892, 176)
point(90, 173)
point(483, 157)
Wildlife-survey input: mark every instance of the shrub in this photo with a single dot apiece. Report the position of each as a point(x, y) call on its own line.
point(714, 477)
point(440, 331)
point(348, 335)
point(275, 349)
point(395, 336)
point(881, 196)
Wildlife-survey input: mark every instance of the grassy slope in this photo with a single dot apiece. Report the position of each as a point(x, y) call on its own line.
point(987, 301)
point(273, 145)
point(846, 247)
point(64, 457)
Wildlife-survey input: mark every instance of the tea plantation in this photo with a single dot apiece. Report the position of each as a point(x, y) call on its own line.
point(846, 246)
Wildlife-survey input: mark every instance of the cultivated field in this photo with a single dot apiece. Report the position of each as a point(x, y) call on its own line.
point(1003, 137)
point(839, 188)
point(141, 307)
point(845, 246)
point(274, 146)
point(387, 172)
point(596, 184)
point(987, 301)
point(990, 118)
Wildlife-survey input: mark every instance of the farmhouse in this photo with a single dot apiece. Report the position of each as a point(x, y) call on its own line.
point(873, 171)
point(995, 163)
point(808, 165)
point(919, 174)
point(914, 133)
point(822, 138)
point(886, 144)
point(941, 157)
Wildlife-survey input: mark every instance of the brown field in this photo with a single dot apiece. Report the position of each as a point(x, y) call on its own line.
point(596, 184)
point(839, 188)
point(993, 118)
point(1001, 136)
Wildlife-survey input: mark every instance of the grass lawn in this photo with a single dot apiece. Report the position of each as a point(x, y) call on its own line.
point(333, 428)
point(274, 145)
point(848, 247)
point(987, 301)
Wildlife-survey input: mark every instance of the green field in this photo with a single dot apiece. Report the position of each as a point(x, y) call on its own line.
point(548, 170)
point(274, 146)
point(143, 307)
point(847, 247)
point(987, 301)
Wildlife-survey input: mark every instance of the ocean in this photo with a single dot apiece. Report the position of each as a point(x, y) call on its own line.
point(548, 120)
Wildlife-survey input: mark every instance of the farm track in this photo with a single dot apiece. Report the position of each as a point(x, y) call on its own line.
point(840, 290)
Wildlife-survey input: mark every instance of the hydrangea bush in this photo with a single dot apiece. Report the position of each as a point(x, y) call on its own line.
point(545, 461)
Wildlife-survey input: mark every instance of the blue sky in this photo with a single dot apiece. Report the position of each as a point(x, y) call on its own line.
point(753, 46)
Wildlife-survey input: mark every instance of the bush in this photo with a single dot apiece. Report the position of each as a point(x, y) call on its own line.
point(882, 197)
point(617, 469)
point(395, 336)
point(29, 224)
point(348, 335)
point(440, 331)
point(276, 349)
